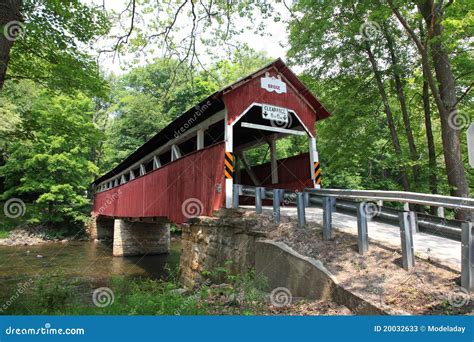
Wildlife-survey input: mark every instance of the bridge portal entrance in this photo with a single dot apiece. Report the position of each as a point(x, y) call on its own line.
point(188, 169)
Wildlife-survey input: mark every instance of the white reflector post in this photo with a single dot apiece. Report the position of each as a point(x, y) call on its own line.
point(470, 144)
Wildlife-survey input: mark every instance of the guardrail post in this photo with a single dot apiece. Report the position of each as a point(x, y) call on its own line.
point(414, 222)
point(235, 195)
point(258, 199)
point(306, 199)
point(408, 255)
point(277, 197)
point(362, 234)
point(300, 204)
point(327, 218)
point(467, 256)
point(440, 212)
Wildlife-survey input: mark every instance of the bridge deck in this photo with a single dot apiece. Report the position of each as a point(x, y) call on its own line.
point(442, 250)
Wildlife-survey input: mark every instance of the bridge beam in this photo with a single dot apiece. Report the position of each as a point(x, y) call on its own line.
point(140, 238)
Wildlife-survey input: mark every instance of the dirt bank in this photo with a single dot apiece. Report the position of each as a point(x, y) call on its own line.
point(33, 235)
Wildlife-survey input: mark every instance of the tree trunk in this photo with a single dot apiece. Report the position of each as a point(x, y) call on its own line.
point(444, 96)
point(432, 166)
point(403, 106)
point(430, 140)
point(9, 12)
point(388, 112)
point(447, 93)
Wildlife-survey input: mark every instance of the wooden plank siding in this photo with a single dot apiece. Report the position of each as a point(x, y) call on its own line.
point(293, 173)
point(240, 98)
point(162, 192)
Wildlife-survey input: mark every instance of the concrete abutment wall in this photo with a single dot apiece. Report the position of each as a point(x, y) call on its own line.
point(211, 242)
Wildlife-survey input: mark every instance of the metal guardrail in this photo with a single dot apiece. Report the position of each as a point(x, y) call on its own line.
point(408, 220)
point(399, 196)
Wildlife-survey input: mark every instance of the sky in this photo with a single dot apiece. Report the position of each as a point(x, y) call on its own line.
point(275, 45)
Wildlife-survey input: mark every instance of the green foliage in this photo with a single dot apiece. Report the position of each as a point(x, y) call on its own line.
point(9, 223)
point(52, 49)
point(47, 160)
point(148, 98)
point(329, 40)
point(52, 294)
point(246, 290)
point(56, 294)
point(52, 145)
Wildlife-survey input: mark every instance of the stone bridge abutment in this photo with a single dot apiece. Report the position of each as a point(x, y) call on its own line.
point(132, 237)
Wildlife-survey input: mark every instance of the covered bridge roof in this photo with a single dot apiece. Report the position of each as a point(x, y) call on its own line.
point(213, 104)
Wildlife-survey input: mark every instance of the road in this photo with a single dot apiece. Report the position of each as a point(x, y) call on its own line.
point(442, 250)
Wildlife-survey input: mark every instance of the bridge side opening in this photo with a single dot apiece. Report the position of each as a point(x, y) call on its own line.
point(191, 140)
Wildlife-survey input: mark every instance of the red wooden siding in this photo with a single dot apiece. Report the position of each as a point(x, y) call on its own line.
point(161, 193)
point(240, 98)
point(293, 173)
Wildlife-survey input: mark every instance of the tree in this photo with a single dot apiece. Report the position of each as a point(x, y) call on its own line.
point(336, 44)
point(148, 98)
point(45, 42)
point(10, 24)
point(48, 159)
point(444, 92)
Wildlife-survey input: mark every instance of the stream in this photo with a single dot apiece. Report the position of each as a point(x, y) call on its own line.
point(91, 262)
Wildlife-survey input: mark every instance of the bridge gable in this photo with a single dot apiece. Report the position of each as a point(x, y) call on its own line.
point(270, 86)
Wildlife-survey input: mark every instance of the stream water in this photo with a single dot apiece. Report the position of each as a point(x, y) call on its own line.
point(91, 262)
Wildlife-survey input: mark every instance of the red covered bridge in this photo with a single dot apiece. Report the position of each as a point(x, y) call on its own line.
point(189, 167)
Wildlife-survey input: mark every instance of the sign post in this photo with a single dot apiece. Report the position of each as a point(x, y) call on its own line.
point(470, 144)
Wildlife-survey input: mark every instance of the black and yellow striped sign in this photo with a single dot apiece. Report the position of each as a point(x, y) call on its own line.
point(229, 165)
point(317, 173)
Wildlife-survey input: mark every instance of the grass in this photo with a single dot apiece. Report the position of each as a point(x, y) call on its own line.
point(54, 294)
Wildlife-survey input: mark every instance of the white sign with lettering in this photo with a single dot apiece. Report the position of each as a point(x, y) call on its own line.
point(270, 83)
point(274, 113)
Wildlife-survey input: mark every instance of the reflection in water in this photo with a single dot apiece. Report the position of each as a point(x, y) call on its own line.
point(89, 261)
